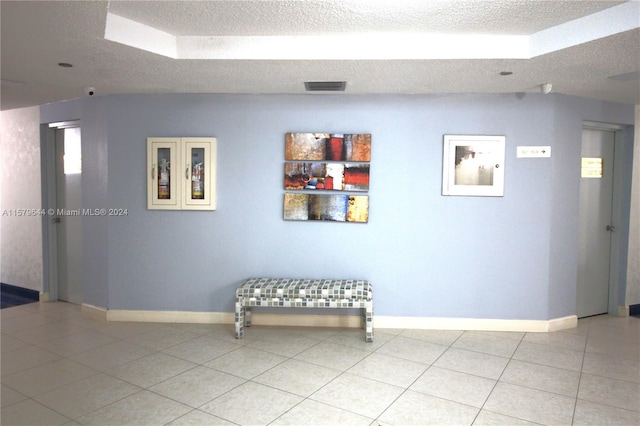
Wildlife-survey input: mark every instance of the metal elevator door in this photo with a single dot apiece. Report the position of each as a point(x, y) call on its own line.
point(68, 217)
point(596, 201)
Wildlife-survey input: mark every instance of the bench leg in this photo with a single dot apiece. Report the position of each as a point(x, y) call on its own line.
point(247, 316)
point(240, 311)
point(368, 322)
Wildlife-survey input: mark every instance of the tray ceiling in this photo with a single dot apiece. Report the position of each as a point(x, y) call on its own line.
point(583, 48)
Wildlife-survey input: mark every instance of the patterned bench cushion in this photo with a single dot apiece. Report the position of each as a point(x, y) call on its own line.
point(305, 289)
point(309, 293)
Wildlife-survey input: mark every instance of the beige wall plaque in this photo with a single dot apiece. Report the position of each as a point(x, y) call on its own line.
point(591, 167)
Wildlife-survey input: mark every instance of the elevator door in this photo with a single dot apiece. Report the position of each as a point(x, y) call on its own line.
point(68, 217)
point(596, 227)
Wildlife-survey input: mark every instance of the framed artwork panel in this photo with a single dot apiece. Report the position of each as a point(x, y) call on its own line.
point(334, 208)
point(473, 165)
point(326, 176)
point(354, 147)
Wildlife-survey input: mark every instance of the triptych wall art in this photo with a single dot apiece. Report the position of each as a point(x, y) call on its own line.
point(320, 164)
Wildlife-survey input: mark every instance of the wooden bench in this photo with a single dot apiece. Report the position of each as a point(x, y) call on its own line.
point(303, 293)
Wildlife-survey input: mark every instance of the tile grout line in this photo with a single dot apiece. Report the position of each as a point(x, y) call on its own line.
point(498, 381)
point(407, 388)
point(584, 353)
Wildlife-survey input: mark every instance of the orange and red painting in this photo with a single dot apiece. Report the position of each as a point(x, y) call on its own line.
point(328, 147)
point(327, 176)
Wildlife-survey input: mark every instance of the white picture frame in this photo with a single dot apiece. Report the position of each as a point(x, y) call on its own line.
point(473, 165)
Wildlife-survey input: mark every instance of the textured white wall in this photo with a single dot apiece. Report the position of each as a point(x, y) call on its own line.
point(633, 265)
point(20, 236)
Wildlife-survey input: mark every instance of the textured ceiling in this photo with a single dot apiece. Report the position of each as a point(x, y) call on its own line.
point(315, 17)
point(274, 46)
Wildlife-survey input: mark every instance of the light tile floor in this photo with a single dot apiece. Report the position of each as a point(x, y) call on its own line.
point(62, 368)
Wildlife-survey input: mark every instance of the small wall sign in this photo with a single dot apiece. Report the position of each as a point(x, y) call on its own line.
point(533, 152)
point(591, 168)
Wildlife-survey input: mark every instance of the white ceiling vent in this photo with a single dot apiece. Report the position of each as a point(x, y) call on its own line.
point(325, 86)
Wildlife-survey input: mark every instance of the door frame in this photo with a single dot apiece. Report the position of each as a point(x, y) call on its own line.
point(617, 214)
point(49, 205)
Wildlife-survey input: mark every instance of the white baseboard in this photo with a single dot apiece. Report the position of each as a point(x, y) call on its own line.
point(172, 317)
point(93, 311)
point(43, 296)
point(623, 311)
point(347, 321)
point(476, 324)
point(563, 323)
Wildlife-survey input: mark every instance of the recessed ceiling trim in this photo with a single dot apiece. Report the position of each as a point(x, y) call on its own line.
point(630, 76)
point(613, 20)
point(143, 37)
point(11, 83)
point(374, 46)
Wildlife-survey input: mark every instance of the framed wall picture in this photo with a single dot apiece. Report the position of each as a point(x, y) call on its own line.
point(326, 176)
point(334, 208)
point(319, 163)
point(354, 147)
point(473, 165)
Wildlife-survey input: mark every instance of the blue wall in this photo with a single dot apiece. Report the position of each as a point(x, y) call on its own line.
point(512, 257)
